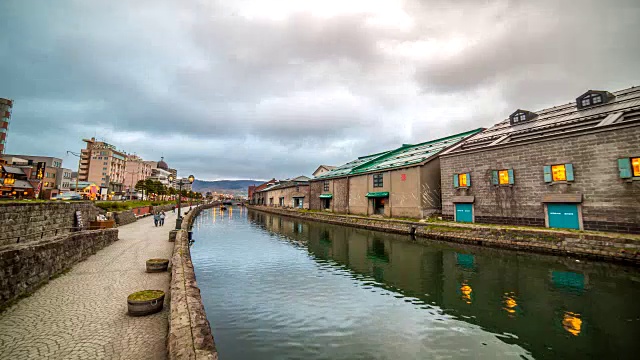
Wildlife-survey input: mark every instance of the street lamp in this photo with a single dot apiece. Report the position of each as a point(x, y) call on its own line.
point(180, 183)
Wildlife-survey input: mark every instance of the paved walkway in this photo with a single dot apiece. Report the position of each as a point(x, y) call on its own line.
point(83, 314)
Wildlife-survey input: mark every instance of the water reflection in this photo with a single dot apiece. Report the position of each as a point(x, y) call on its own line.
point(540, 303)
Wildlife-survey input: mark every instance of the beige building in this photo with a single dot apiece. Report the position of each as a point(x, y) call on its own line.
point(102, 164)
point(404, 182)
point(291, 193)
point(136, 169)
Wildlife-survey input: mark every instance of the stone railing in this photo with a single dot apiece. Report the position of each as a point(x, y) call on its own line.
point(600, 246)
point(25, 267)
point(190, 334)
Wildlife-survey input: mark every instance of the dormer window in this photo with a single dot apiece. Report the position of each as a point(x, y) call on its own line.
point(521, 116)
point(593, 97)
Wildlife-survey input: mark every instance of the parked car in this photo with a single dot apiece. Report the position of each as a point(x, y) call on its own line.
point(69, 196)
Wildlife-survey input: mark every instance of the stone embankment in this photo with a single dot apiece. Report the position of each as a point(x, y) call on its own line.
point(614, 247)
point(26, 266)
point(34, 221)
point(190, 334)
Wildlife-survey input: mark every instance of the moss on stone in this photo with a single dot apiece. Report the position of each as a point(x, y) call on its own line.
point(145, 295)
point(159, 261)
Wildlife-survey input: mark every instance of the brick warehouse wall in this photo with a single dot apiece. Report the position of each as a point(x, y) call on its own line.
point(609, 203)
point(338, 187)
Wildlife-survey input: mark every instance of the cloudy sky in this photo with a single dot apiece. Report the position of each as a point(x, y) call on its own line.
point(258, 89)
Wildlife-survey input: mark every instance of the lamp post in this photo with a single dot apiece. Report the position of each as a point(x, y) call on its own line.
point(79, 163)
point(180, 183)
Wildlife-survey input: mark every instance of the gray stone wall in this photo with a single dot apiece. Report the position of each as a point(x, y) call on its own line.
point(27, 220)
point(609, 203)
point(25, 267)
point(190, 334)
point(593, 245)
point(124, 217)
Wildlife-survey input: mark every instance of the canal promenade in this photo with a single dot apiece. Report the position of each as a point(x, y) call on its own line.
point(83, 314)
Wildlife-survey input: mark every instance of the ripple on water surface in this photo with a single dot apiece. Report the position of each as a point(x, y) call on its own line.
point(278, 288)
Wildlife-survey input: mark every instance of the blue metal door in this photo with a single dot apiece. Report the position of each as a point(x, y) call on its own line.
point(464, 212)
point(563, 216)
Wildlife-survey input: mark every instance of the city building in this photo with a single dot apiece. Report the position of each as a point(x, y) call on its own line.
point(574, 166)
point(101, 163)
point(160, 172)
point(63, 179)
point(404, 182)
point(44, 168)
point(290, 193)
point(5, 116)
point(174, 172)
point(14, 183)
point(136, 169)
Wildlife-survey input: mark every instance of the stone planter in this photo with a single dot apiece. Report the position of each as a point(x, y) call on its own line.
point(157, 265)
point(145, 302)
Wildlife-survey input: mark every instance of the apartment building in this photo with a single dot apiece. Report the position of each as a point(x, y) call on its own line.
point(101, 163)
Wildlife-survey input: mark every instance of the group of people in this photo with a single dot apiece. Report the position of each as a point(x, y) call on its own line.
point(158, 218)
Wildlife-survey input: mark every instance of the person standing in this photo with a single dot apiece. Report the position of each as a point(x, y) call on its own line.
point(156, 219)
point(162, 216)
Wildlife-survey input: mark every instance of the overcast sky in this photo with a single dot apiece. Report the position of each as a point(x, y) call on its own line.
point(257, 89)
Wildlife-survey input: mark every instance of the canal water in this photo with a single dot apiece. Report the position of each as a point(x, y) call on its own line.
point(280, 288)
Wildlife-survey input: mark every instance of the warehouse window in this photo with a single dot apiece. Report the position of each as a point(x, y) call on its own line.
point(558, 172)
point(326, 186)
point(462, 180)
point(377, 180)
point(502, 177)
point(629, 167)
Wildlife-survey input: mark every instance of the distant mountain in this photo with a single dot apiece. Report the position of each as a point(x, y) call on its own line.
point(238, 187)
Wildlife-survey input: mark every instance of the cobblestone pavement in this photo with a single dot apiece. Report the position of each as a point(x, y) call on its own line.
point(83, 314)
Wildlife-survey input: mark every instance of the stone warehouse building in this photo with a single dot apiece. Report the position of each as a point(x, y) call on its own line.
point(290, 193)
point(404, 182)
point(330, 189)
point(573, 166)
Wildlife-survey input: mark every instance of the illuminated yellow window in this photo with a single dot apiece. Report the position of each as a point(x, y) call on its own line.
point(462, 180)
point(635, 163)
point(503, 177)
point(559, 173)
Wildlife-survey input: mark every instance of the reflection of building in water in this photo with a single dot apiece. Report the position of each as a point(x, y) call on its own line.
point(510, 305)
point(465, 292)
point(568, 281)
point(572, 323)
point(499, 291)
point(466, 261)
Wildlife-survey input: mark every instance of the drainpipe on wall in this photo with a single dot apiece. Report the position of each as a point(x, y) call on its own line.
point(348, 198)
point(390, 193)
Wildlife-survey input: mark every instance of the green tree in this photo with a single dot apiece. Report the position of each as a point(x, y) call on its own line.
point(141, 186)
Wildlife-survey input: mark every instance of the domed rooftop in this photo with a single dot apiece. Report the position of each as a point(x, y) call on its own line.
point(163, 165)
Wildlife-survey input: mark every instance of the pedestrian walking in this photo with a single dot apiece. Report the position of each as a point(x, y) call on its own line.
point(162, 216)
point(174, 209)
point(156, 219)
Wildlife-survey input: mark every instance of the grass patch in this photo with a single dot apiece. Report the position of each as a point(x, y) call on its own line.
point(446, 228)
point(145, 295)
point(128, 205)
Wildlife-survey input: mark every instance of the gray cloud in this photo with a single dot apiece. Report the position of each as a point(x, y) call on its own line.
point(242, 90)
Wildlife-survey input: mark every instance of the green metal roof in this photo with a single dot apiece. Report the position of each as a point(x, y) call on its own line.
point(379, 194)
point(326, 196)
point(344, 170)
point(408, 154)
